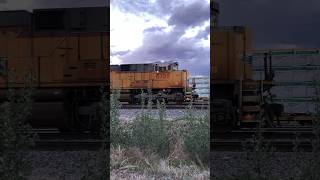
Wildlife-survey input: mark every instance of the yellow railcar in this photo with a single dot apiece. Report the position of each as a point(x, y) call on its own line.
point(68, 56)
point(164, 80)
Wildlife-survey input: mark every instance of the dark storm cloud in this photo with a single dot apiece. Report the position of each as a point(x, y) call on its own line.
point(161, 45)
point(191, 15)
point(3, 1)
point(275, 24)
point(170, 46)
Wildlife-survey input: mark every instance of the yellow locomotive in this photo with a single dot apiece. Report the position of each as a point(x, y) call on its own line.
point(164, 79)
point(67, 51)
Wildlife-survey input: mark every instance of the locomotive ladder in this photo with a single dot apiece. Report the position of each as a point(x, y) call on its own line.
point(250, 101)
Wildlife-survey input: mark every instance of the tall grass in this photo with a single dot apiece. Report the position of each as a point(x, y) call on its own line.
point(15, 135)
point(150, 140)
point(119, 133)
point(197, 136)
point(150, 133)
point(100, 169)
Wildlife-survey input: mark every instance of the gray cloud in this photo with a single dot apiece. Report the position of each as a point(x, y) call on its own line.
point(191, 15)
point(139, 7)
point(153, 29)
point(204, 33)
point(169, 46)
point(161, 45)
point(119, 53)
point(291, 23)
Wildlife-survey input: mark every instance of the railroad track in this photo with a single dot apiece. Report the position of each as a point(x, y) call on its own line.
point(68, 144)
point(53, 139)
point(168, 106)
point(281, 138)
point(281, 145)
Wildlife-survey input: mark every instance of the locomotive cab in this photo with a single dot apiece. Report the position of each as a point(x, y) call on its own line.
point(162, 66)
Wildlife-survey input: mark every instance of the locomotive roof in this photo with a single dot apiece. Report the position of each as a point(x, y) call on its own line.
point(77, 19)
point(153, 63)
point(54, 9)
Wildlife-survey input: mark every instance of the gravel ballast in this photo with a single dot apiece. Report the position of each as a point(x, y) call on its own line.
point(73, 164)
point(61, 164)
point(282, 165)
point(171, 114)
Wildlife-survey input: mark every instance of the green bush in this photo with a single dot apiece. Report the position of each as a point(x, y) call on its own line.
point(151, 133)
point(15, 133)
point(119, 134)
point(197, 136)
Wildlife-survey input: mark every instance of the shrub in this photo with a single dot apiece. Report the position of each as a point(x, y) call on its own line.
point(151, 133)
point(120, 134)
point(15, 132)
point(196, 136)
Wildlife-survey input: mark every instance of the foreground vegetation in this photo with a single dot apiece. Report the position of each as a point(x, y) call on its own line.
point(156, 148)
point(15, 135)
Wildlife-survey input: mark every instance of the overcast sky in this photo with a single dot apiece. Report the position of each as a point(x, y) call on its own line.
point(276, 23)
point(152, 30)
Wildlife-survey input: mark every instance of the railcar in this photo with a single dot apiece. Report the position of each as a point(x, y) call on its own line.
point(165, 81)
point(236, 98)
point(67, 52)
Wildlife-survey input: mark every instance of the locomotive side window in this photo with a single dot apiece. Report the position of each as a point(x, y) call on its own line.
point(3, 66)
point(124, 68)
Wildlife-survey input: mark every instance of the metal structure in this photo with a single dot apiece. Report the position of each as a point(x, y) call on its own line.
point(202, 85)
point(214, 10)
point(236, 98)
point(296, 73)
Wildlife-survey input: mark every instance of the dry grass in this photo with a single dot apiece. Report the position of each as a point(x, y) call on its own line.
point(157, 148)
point(132, 163)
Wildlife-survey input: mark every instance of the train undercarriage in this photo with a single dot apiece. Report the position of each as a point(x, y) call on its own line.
point(240, 104)
point(135, 96)
point(68, 109)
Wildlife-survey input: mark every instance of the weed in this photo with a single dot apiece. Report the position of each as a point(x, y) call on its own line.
point(196, 137)
point(150, 133)
point(15, 136)
point(120, 134)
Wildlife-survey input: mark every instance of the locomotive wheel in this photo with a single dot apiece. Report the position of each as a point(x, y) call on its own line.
point(68, 123)
point(88, 117)
point(233, 120)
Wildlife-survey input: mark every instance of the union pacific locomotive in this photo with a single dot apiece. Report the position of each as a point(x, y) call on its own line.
point(165, 81)
point(67, 50)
